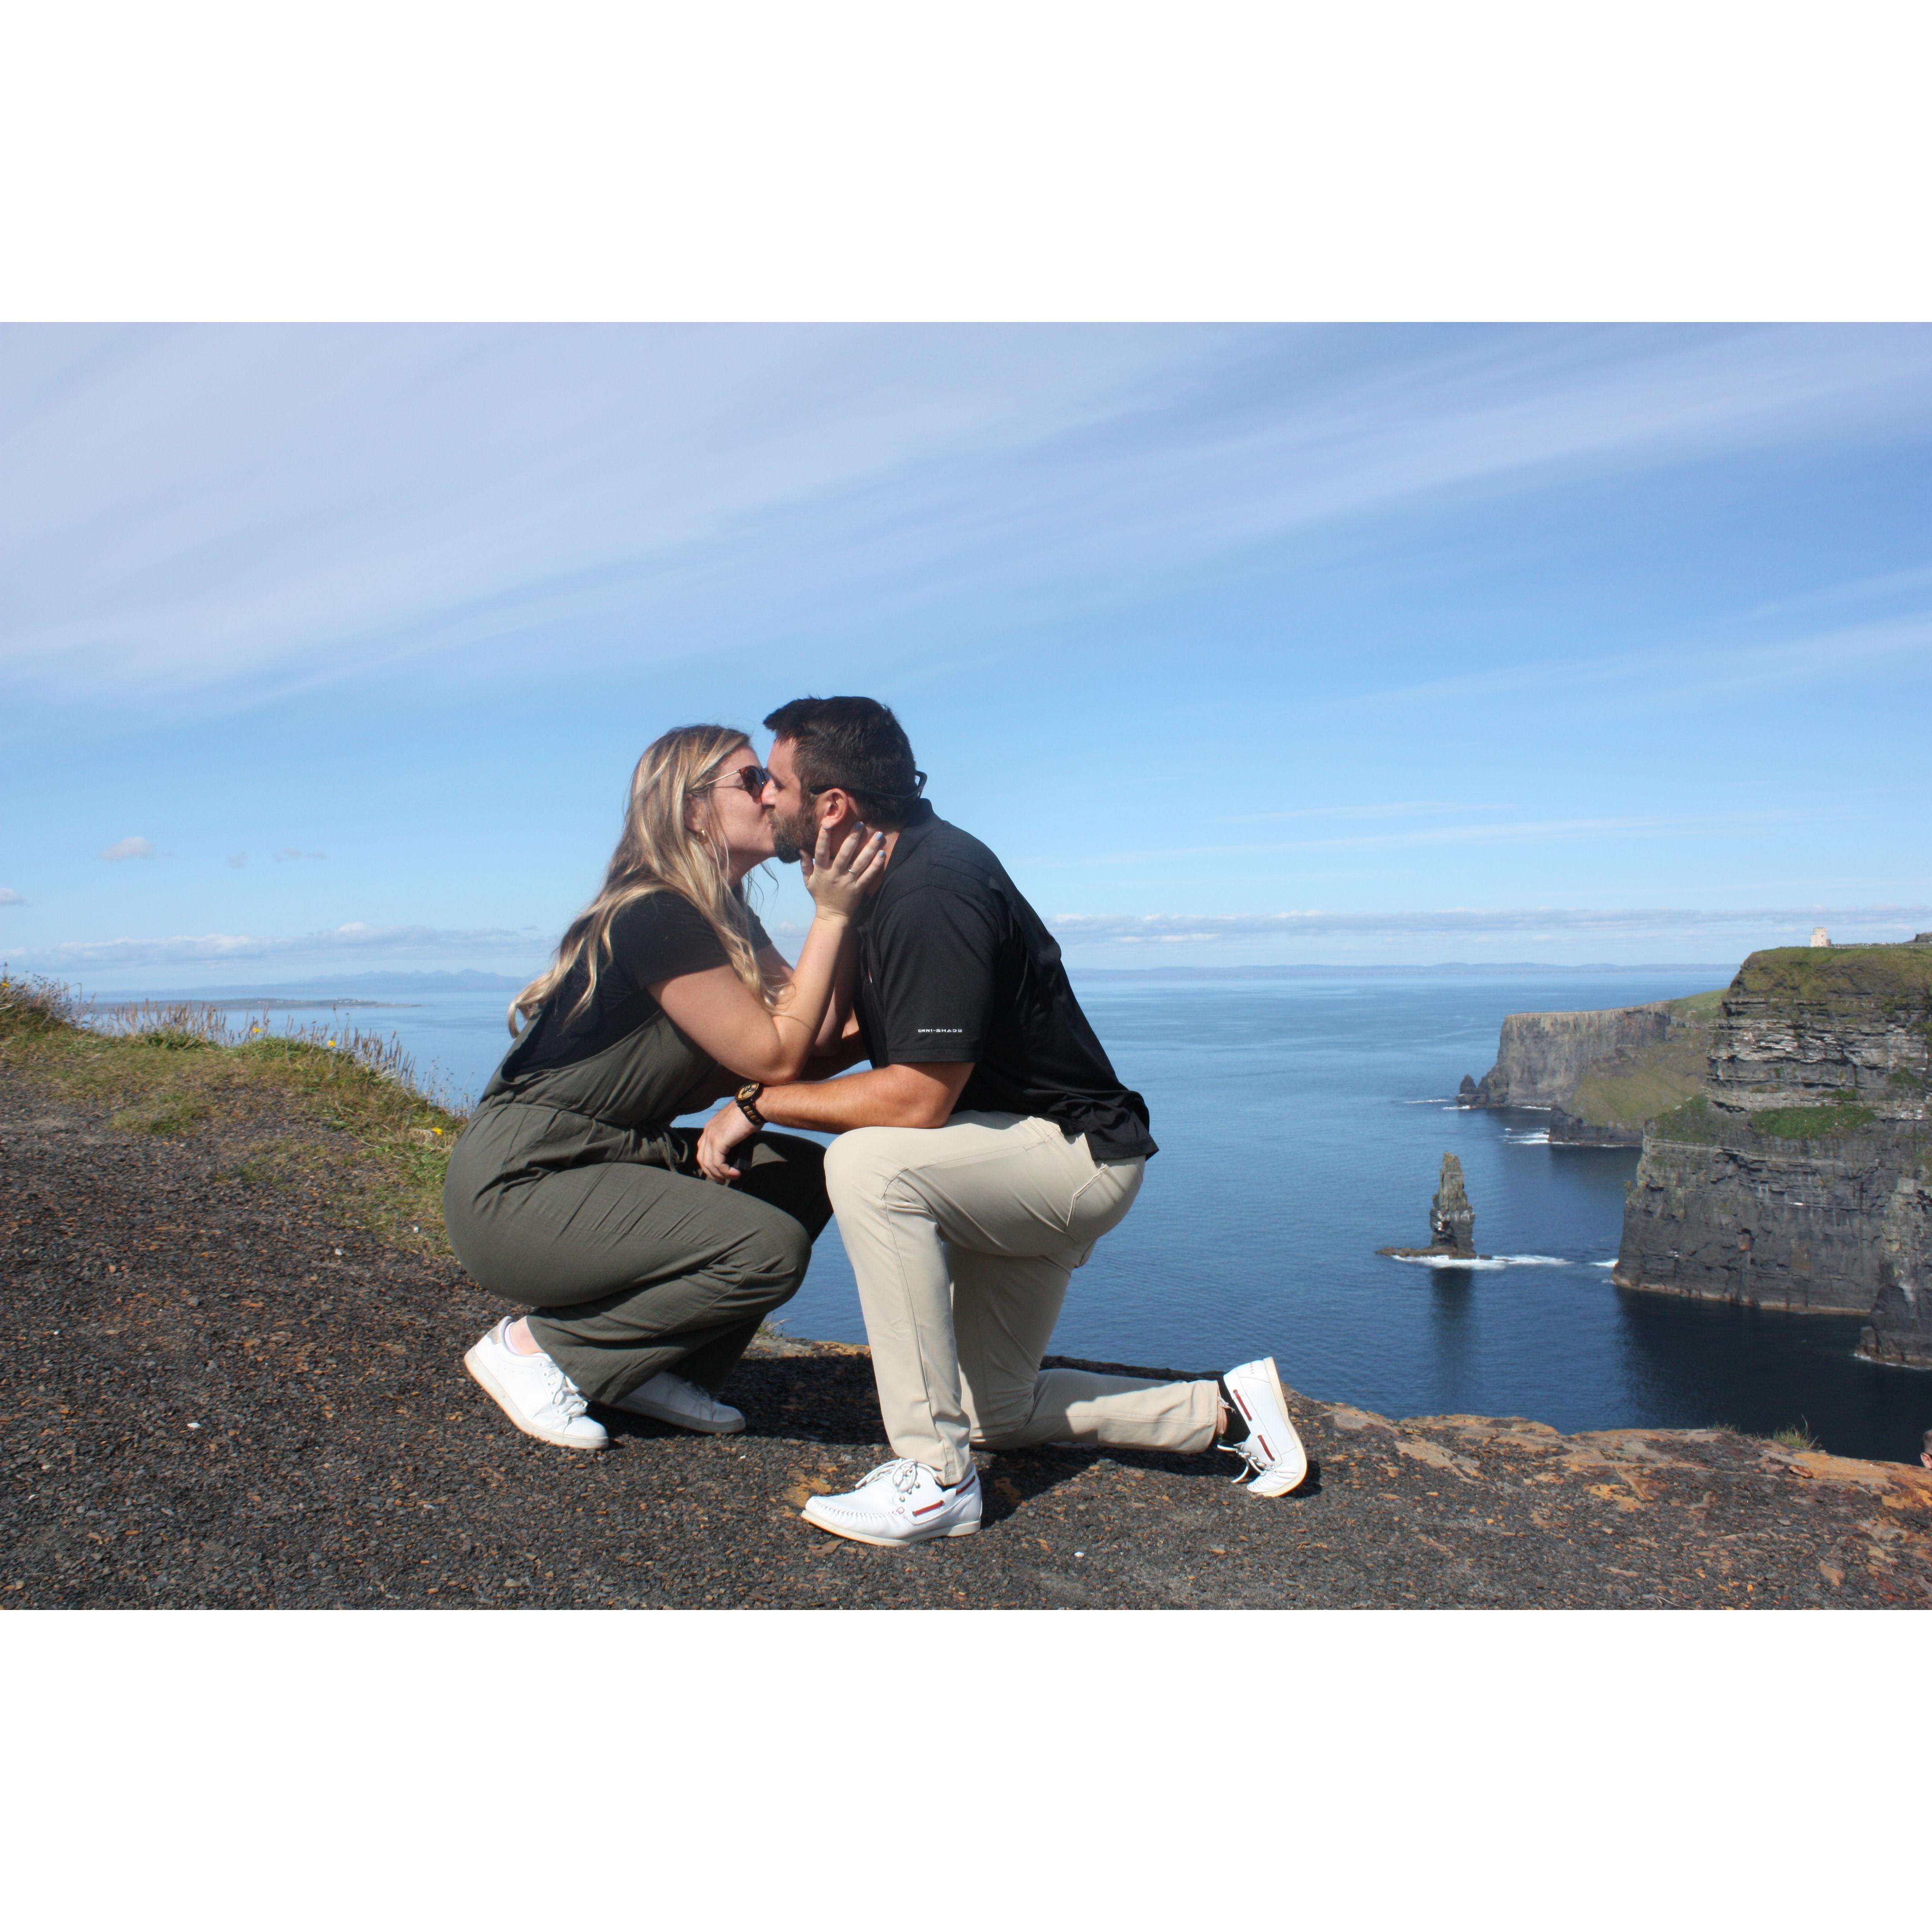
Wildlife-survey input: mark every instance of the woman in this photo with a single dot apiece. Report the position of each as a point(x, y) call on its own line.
point(571, 1192)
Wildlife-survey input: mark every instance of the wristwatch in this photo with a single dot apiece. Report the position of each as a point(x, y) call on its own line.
point(747, 1097)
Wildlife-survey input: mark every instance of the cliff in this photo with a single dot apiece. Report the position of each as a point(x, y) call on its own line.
point(1603, 1075)
point(1795, 1178)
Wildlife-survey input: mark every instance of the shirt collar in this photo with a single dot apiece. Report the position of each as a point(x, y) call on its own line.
point(919, 821)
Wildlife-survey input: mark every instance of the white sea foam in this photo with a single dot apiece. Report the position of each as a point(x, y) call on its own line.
point(1485, 1262)
point(1528, 1140)
point(1611, 1263)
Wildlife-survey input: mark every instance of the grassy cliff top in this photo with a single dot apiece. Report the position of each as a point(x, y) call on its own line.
point(323, 1107)
point(1838, 972)
point(1698, 1005)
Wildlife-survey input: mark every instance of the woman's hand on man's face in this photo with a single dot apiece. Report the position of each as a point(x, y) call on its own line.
point(838, 880)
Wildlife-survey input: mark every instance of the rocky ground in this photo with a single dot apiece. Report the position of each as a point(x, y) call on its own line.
point(217, 1392)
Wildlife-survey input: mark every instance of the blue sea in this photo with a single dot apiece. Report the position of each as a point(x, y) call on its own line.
point(1302, 1124)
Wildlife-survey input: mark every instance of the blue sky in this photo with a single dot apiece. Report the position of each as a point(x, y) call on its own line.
point(331, 648)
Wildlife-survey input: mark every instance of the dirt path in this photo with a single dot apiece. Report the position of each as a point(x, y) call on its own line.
point(215, 1393)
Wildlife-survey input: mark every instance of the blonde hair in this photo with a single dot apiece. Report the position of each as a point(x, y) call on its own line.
point(658, 852)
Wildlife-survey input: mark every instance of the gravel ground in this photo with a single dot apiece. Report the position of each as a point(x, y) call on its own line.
point(216, 1393)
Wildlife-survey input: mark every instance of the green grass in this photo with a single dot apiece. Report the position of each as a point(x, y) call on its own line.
point(1644, 1093)
point(1690, 1121)
point(1693, 1007)
point(1629, 1089)
point(1797, 1437)
point(321, 1107)
point(1842, 1116)
point(1899, 975)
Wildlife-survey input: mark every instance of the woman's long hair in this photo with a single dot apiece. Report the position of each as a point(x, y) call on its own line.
point(659, 853)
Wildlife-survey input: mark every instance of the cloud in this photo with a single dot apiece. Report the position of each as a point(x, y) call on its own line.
point(1672, 673)
point(1399, 808)
point(288, 852)
point(238, 859)
point(130, 848)
point(1176, 928)
point(246, 511)
point(9, 897)
point(356, 939)
point(1556, 831)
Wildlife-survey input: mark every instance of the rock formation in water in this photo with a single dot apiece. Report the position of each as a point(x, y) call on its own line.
point(1796, 1178)
point(1452, 1221)
point(1601, 1074)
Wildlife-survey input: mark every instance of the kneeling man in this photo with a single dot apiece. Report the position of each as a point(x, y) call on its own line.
point(978, 1162)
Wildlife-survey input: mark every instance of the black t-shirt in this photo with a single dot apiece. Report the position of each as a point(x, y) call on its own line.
point(954, 965)
point(658, 938)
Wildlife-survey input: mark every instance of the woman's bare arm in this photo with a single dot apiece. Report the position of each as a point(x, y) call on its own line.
point(718, 1012)
point(839, 1023)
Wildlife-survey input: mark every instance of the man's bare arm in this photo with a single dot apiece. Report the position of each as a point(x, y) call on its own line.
point(846, 1047)
point(914, 1094)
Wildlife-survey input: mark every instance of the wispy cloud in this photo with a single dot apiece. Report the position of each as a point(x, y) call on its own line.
point(1173, 928)
point(1673, 673)
point(130, 848)
point(289, 852)
point(1397, 809)
point(372, 941)
point(204, 510)
point(1547, 831)
point(9, 897)
point(1912, 583)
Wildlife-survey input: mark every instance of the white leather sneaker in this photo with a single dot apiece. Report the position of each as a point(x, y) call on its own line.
point(670, 1398)
point(1272, 1449)
point(533, 1392)
point(899, 1503)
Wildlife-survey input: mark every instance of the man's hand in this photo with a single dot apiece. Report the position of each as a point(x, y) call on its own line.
point(725, 1131)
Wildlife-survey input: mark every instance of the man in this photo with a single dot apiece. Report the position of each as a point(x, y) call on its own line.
point(988, 1150)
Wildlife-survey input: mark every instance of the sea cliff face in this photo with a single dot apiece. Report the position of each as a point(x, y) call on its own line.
point(1795, 1178)
point(1602, 1074)
point(1541, 1057)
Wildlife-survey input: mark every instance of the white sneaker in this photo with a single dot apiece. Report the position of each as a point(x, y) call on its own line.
point(1272, 1449)
point(533, 1392)
point(670, 1398)
point(899, 1503)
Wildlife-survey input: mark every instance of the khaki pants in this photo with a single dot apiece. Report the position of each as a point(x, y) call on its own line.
point(962, 1238)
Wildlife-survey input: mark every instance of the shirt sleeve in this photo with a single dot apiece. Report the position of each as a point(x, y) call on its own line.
point(937, 969)
point(662, 936)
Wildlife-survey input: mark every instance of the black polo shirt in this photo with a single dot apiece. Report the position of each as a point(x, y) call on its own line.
point(954, 965)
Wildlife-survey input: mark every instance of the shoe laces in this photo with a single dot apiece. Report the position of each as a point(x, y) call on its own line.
point(565, 1396)
point(902, 1473)
point(1248, 1454)
point(701, 1400)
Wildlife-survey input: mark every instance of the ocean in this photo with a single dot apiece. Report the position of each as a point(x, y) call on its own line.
point(1302, 1123)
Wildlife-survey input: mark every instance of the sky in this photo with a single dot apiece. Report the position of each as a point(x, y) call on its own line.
point(329, 650)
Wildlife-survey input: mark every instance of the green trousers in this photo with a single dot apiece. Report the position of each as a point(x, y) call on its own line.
point(630, 1267)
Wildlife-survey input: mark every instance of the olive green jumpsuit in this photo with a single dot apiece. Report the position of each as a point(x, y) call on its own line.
point(570, 1194)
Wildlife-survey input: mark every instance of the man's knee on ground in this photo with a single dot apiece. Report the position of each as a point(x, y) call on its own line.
point(1005, 1425)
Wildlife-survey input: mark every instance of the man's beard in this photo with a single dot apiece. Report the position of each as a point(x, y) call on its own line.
point(791, 837)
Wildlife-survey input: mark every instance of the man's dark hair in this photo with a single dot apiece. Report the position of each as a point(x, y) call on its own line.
point(856, 744)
